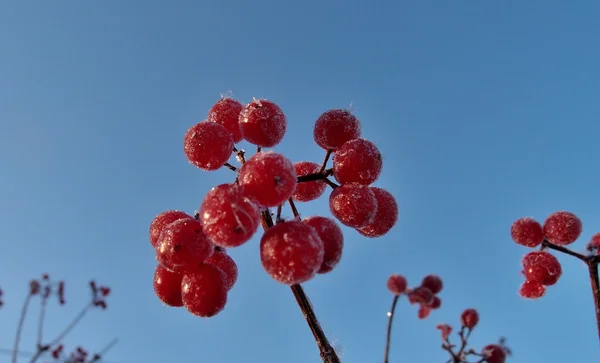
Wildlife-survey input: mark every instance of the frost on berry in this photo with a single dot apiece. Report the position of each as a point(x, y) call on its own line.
point(162, 220)
point(357, 161)
point(291, 252)
point(335, 127)
point(228, 217)
point(204, 292)
point(532, 290)
point(469, 318)
point(397, 284)
point(226, 264)
point(208, 145)
point(262, 123)
point(311, 190)
point(268, 178)
point(433, 283)
point(445, 329)
point(494, 353)
point(167, 286)
point(354, 205)
point(562, 228)
point(542, 267)
point(333, 241)
point(527, 232)
point(386, 216)
point(182, 246)
point(226, 112)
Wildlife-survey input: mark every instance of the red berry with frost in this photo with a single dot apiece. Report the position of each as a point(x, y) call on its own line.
point(224, 262)
point(262, 123)
point(162, 220)
point(182, 246)
point(527, 232)
point(385, 217)
point(562, 228)
point(208, 145)
point(336, 127)
point(435, 303)
point(397, 284)
point(494, 353)
point(423, 312)
point(420, 295)
point(228, 217)
point(226, 112)
point(268, 178)
point(354, 205)
point(469, 318)
point(433, 283)
point(204, 292)
point(291, 252)
point(357, 161)
point(594, 244)
point(541, 266)
point(310, 190)
point(532, 290)
point(445, 329)
point(333, 241)
point(167, 286)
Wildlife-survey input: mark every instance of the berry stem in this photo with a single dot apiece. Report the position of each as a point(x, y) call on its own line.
point(325, 160)
point(98, 356)
point(593, 270)
point(294, 209)
point(315, 176)
point(389, 329)
point(230, 167)
point(40, 333)
point(15, 352)
point(552, 246)
point(71, 325)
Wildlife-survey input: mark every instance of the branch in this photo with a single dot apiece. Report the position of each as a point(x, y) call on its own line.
point(20, 327)
point(389, 329)
point(71, 325)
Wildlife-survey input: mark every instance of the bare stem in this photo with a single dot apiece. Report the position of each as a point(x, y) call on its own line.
point(294, 209)
point(593, 270)
point(388, 337)
point(315, 176)
point(98, 356)
point(71, 325)
point(325, 160)
point(15, 352)
point(40, 333)
point(230, 167)
point(552, 246)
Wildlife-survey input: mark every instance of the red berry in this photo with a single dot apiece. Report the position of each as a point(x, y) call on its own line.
point(421, 295)
point(268, 178)
point(541, 266)
point(333, 241)
point(357, 161)
point(224, 262)
point(204, 292)
point(182, 246)
point(469, 318)
point(594, 244)
point(397, 284)
point(353, 204)
point(162, 220)
point(229, 218)
point(445, 329)
point(423, 312)
point(335, 127)
point(167, 286)
point(226, 112)
point(435, 303)
point(433, 283)
point(532, 290)
point(208, 145)
point(291, 252)
point(262, 123)
point(311, 190)
point(386, 216)
point(562, 228)
point(494, 353)
point(527, 232)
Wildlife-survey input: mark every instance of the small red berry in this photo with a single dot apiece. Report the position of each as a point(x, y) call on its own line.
point(268, 178)
point(527, 232)
point(262, 123)
point(335, 127)
point(386, 216)
point(311, 190)
point(436, 303)
point(204, 293)
point(423, 312)
point(421, 295)
point(167, 286)
point(357, 161)
point(397, 284)
point(182, 246)
point(227, 113)
point(162, 220)
point(532, 290)
point(333, 241)
point(354, 205)
point(224, 262)
point(542, 267)
point(469, 318)
point(445, 330)
point(433, 283)
point(562, 228)
point(594, 244)
point(208, 145)
point(494, 353)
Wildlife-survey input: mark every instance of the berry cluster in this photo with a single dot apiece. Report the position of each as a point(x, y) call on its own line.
point(425, 295)
point(194, 269)
point(78, 355)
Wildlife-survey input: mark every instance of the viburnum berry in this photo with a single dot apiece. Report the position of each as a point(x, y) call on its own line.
point(182, 245)
point(494, 353)
point(204, 291)
point(291, 252)
point(336, 127)
point(223, 261)
point(423, 312)
point(594, 243)
point(562, 228)
point(167, 286)
point(385, 217)
point(162, 220)
point(420, 295)
point(469, 318)
point(433, 283)
point(226, 112)
point(333, 241)
point(311, 190)
point(445, 329)
point(262, 123)
point(397, 284)
point(208, 145)
point(354, 205)
point(527, 232)
point(435, 303)
point(357, 161)
point(268, 178)
point(228, 217)
point(541, 266)
point(532, 290)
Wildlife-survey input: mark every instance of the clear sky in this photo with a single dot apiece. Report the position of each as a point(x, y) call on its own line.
point(485, 111)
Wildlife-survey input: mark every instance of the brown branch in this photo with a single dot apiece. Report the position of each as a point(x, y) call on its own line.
point(315, 176)
point(71, 325)
point(294, 209)
point(552, 246)
point(388, 337)
point(325, 160)
point(20, 327)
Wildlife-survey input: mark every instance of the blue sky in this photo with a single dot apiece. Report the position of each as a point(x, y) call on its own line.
point(485, 111)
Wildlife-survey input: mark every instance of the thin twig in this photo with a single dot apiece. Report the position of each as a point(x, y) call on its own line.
point(40, 333)
point(230, 167)
point(98, 356)
point(294, 209)
point(71, 325)
point(325, 160)
point(388, 336)
point(593, 270)
point(20, 327)
point(552, 246)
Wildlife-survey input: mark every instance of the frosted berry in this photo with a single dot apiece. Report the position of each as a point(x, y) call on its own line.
point(594, 243)
point(333, 241)
point(541, 266)
point(445, 329)
point(357, 161)
point(204, 292)
point(562, 228)
point(354, 205)
point(311, 190)
point(397, 284)
point(291, 252)
point(262, 123)
point(532, 290)
point(423, 312)
point(162, 220)
point(226, 264)
point(208, 145)
point(469, 318)
point(420, 295)
point(167, 286)
point(433, 283)
point(182, 246)
point(226, 112)
point(335, 127)
point(435, 303)
point(268, 178)
point(527, 232)
point(385, 217)
point(228, 217)
point(494, 353)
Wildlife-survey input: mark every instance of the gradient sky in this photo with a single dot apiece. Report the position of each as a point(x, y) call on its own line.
point(485, 111)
